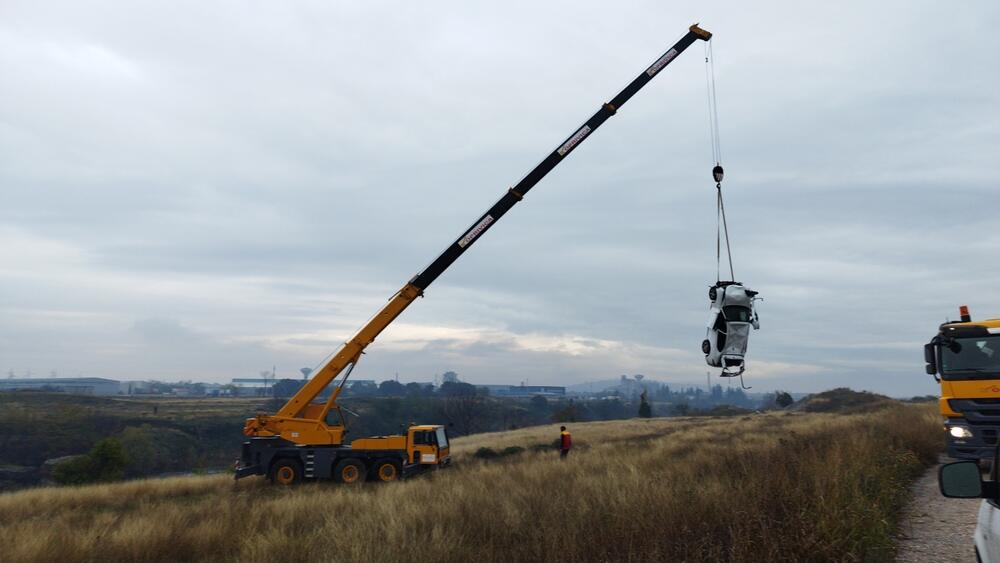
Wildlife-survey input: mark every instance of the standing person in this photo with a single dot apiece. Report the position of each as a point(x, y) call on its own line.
point(565, 442)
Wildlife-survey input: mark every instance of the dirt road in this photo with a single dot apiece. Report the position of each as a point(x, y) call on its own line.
point(936, 528)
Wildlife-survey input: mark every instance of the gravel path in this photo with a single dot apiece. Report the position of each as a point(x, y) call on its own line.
point(936, 528)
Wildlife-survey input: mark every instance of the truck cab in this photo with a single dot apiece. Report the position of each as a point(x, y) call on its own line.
point(424, 444)
point(429, 445)
point(965, 358)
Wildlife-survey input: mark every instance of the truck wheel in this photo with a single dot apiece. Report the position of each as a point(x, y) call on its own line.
point(286, 472)
point(386, 470)
point(349, 471)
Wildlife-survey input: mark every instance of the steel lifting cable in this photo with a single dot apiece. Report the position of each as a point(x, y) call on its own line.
point(725, 231)
point(721, 228)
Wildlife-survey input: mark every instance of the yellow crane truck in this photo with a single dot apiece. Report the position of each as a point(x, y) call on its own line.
point(964, 357)
point(304, 440)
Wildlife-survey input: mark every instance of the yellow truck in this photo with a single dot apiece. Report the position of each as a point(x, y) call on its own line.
point(964, 357)
point(381, 459)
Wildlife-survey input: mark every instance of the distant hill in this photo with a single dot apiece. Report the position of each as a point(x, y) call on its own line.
point(842, 400)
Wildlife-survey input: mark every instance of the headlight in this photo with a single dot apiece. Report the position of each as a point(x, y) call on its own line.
point(960, 432)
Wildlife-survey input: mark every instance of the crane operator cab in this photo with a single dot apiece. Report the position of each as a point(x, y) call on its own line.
point(731, 316)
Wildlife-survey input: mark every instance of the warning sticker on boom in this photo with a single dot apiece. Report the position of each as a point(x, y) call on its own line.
point(475, 232)
point(662, 62)
point(574, 140)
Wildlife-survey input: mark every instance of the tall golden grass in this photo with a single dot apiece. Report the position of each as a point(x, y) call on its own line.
point(774, 487)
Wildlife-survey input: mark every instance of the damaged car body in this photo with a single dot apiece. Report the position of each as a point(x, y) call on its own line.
point(732, 316)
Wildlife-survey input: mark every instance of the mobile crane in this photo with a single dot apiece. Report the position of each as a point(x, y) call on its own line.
point(300, 443)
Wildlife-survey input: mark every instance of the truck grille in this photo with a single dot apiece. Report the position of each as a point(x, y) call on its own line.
point(977, 411)
point(989, 436)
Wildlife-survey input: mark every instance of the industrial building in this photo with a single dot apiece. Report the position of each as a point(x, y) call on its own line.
point(523, 390)
point(73, 385)
point(260, 387)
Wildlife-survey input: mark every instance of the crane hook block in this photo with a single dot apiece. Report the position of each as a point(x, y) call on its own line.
point(717, 174)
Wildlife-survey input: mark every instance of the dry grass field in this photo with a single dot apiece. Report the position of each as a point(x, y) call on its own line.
point(767, 487)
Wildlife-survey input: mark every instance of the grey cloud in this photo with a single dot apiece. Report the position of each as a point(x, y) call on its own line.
point(266, 177)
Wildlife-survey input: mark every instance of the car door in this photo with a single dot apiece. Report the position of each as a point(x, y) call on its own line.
point(424, 447)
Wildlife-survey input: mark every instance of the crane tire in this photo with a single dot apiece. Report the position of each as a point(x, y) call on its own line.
point(349, 471)
point(386, 470)
point(286, 472)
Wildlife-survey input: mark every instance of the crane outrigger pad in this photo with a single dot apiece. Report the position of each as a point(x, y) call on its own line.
point(732, 316)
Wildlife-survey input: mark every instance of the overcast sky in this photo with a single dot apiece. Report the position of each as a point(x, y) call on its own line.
point(194, 190)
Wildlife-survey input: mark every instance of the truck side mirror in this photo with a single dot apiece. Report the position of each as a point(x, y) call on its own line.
point(930, 359)
point(961, 479)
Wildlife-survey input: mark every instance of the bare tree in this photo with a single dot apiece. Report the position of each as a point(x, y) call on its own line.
point(466, 413)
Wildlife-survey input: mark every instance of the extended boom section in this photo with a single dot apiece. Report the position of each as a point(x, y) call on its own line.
point(301, 422)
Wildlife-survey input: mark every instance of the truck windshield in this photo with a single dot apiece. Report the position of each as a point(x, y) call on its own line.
point(977, 358)
point(442, 437)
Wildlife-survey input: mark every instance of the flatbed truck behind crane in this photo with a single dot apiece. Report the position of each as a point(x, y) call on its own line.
point(299, 442)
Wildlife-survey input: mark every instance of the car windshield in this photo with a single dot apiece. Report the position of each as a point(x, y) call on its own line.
point(737, 313)
point(976, 358)
point(442, 438)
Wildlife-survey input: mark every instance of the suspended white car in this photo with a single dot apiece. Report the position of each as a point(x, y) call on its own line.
point(732, 315)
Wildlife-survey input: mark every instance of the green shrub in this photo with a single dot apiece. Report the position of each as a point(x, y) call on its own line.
point(486, 453)
point(105, 462)
point(75, 471)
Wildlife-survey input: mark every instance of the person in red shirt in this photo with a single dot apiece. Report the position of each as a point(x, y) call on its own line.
point(565, 441)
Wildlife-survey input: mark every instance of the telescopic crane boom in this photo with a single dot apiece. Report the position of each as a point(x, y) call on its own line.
point(302, 422)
